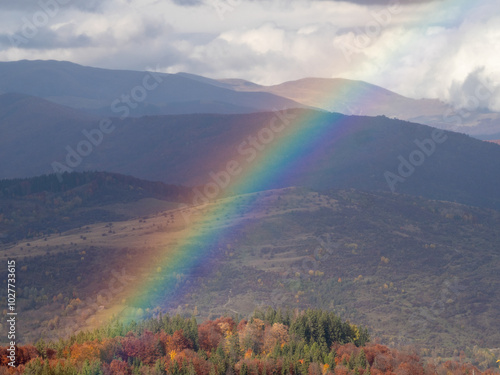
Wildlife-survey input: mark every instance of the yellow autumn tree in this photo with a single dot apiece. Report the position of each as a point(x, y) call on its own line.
point(277, 334)
point(252, 336)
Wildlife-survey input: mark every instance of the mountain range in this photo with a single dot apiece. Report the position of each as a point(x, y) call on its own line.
point(103, 92)
point(329, 193)
point(367, 153)
point(415, 271)
point(132, 93)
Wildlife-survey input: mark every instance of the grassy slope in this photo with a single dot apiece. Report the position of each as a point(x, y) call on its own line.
point(346, 151)
point(46, 205)
point(428, 269)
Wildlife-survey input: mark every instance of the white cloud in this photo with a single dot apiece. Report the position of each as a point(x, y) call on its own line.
point(266, 38)
point(428, 49)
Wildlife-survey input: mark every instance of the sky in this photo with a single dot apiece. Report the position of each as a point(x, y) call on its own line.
point(419, 48)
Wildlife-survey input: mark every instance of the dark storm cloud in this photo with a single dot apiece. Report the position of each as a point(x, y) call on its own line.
point(424, 49)
point(94, 6)
point(359, 2)
point(188, 3)
point(30, 35)
point(384, 2)
point(27, 6)
point(46, 39)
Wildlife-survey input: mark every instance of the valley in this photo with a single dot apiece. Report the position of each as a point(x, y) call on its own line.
point(405, 267)
point(137, 204)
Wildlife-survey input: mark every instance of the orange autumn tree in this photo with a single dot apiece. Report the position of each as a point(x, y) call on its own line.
point(275, 335)
point(89, 351)
point(168, 346)
point(252, 336)
point(147, 347)
point(118, 367)
point(209, 335)
point(178, 342)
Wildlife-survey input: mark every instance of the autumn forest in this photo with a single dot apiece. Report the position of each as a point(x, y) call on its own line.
point(311, 342)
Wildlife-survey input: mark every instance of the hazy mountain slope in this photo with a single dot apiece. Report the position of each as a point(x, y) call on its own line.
point(361, 98)
point(134, 93)
point(336, 152)
point(25, 109)
point(415, 271)
point(490, 137)
point(44, 205)
point(149, 93)
point(33, 131)
point(346, 96)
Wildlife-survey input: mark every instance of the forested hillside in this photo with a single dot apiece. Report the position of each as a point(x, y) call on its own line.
point(44, 205)
point(312, 342)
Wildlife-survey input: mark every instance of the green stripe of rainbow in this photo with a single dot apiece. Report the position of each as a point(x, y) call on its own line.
point(299, 144)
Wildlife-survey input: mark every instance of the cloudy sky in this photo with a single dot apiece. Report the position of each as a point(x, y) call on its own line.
point(419, 48)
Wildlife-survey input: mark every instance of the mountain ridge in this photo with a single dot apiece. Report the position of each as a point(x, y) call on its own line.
point(104, 92)
point(362, 98)
point(413, 270)
point(366, 153)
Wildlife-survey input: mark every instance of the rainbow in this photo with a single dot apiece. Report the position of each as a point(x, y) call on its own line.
point(302, 134)
point(298, 142)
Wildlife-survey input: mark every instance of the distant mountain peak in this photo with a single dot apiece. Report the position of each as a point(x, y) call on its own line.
point(96, 90)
